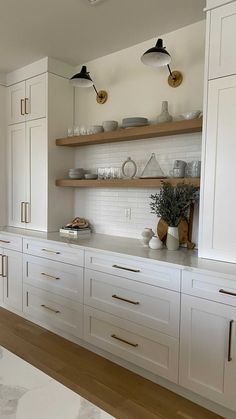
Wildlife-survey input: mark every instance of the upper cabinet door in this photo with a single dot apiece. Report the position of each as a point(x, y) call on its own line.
point(17, 163)
point(217, 239)
point(36, 97)
point(16, 103)
point(222, 37)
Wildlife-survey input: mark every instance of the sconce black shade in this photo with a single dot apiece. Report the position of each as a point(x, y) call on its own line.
point(82, 79)
point(156, 56)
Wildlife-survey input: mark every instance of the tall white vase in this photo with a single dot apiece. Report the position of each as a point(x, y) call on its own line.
point(172, 241)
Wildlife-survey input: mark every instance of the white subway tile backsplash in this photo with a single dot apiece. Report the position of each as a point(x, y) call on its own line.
point(105, 208)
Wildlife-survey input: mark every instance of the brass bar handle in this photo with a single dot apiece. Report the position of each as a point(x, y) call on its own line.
point(26, 106)
point(230, 340)
point(125, 269)
point(22, 107)
point(50, 309)
point(135, 345)
point(125, 299)
point(51, 251)
point(5, 241)
point(22, 212)
point(222, 291)
point(27, 212)
point(1, 265)
point(4, 266)
point(50, 276)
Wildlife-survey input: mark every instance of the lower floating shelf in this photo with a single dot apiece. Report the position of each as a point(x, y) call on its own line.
point(125, 183)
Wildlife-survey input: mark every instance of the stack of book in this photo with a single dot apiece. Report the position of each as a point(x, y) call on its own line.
point(75, 232)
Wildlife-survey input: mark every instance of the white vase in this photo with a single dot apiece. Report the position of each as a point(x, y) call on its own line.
point(155, 243)
point(164, 115)
point(172, 241)
point(147, 235)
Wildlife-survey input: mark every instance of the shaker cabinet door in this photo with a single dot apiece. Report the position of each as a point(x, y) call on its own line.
point(12, 279)
point(217, 239)
point(222, 57)
point(16, 103)
point(208, 349)
point(36, 97)
point(17, 167)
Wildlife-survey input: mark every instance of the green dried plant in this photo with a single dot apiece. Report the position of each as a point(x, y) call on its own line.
point(172, 202)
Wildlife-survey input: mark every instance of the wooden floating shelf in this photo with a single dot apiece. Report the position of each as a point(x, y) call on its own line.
point(125, 183)
point(138, 133)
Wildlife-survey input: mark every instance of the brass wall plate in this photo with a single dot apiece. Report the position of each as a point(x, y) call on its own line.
point(102, 97)
point(176, 79)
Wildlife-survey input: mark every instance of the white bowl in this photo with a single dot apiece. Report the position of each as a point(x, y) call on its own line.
point(90, 176)
point(96, 129)
point(110, 125)
point(191, 114)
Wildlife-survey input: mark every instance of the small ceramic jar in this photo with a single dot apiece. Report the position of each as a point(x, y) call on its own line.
point(155, 243)
point(147, 234)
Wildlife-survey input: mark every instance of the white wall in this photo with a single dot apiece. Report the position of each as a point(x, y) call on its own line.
point(2, 156)
point(135, 89)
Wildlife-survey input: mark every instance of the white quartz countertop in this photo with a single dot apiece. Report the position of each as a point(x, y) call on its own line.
point(133, 248)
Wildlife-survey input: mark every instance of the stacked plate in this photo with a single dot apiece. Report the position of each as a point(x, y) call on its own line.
point(76, 173)
point(134, 122)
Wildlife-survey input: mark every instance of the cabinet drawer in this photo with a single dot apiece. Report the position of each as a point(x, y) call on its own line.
point(211, 287)
point(59, 278)
point(144, 304)
point(7, 241)
point(66, 253)
point(144, 347)
point(53, 311)
point(147, 272)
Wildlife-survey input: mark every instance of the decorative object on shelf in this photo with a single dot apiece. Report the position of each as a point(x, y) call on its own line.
point(129, 168)
point(191, 115)
point(70, 132)
point(193, 169)
point(109, 173)
point(178, 169)
point(83, 79)
point(110, 126)
point(135, 121)
point(152, 169)
point(155, 243)
point(79, 227)
point(183, 227)
point(90, 176)
point(76, 173)
point(164, 115)
point(96, 129)
point(158, 56)
point(147, 234)
point(172, 204)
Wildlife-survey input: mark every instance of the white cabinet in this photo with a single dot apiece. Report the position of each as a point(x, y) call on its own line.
point(11, 278)
point(27, 100)
point(27, 175)
point(208, 349)
point(217, 237)
point(222, 57)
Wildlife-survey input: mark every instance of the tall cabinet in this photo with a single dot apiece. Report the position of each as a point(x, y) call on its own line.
point(39, 109)
point(218, 199)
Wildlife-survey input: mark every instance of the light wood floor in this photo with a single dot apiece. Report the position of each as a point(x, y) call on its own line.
point(118, 391)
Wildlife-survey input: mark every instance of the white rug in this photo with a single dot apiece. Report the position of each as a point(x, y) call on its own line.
point(28, 393)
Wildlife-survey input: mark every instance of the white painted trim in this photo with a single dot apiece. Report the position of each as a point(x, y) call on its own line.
point(213, 4)
point(46, 64)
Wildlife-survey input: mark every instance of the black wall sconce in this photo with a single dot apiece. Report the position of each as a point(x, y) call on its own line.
point(83, 79)
point(158, 56)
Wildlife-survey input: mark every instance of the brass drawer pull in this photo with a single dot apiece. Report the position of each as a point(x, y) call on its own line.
point(222, 291)
point(22, 107)
point(1, 265)
point(230, 340)
point(4, 266)
point(50, 276)
point(50, 309)
point(5, 241)
point(125, 269)
point(22, 212)
point(126, 300)
point(135, 345)
point(27, 212)
point(51, 251)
